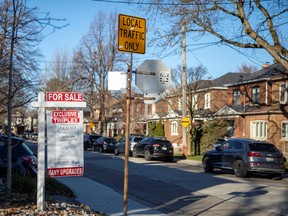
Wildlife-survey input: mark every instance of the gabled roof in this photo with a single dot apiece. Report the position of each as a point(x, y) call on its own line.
point(174, 114)
point(229, 110)
point(273, 71)
point(157, 115)
point(229, 78)
point(219, 82)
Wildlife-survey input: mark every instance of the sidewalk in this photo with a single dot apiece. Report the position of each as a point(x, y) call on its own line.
point(103, 199)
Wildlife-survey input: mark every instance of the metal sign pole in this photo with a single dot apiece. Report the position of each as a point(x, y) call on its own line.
point(127, 134)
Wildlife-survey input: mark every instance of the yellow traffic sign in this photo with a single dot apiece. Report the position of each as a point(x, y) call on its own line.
point(131, 34)
point(185, 121)
point(91, 125)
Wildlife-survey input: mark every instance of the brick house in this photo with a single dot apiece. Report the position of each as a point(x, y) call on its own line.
point(255, 105)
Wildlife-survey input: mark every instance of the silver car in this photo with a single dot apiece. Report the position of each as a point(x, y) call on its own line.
point(245, 156)
point(119, 148)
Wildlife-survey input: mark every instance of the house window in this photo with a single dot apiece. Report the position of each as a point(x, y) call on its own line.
point(284, 128)
point(256, 94)
point(195, 102)
point(207, 101)
point(153, 108)
point(169, 105)
point(259, 130)
point(179, 103)
point(236, 97)
point(174, 128)
point(283, 93)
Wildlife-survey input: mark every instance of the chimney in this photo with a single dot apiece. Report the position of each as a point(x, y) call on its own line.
point(265, 65)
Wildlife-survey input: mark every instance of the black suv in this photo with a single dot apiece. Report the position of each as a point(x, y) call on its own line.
point(104, 144)
point(89, 139)
point(245, 156)
point(153, 147)
point(23, 159)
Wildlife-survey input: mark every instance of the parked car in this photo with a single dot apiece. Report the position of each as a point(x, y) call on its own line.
point(104, 144)
point(89, 139)
point(120, 146)
point(245, 156)
point(24, 161)
point(153, 147)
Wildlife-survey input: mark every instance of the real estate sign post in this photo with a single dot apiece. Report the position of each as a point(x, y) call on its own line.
point(64, 125)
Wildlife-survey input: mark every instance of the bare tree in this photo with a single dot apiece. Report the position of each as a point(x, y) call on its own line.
point(247, 68)
point(244, 24)
point(20, 32)
point(97, 55)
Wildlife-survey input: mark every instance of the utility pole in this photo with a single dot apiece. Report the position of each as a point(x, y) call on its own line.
point(184, 86)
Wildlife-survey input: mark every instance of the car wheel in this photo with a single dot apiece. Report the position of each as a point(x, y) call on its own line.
point(239, 169)
point(170, 159)
point(207, 165)
point(116, 152)
point(134, 154)
point(147, 155)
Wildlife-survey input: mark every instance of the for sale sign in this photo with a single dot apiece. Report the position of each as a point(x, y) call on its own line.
point(65, 155)
point(64, 96)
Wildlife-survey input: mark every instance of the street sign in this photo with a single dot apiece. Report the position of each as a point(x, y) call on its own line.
point(131, 34)
point(153, 77)
point(185, 121)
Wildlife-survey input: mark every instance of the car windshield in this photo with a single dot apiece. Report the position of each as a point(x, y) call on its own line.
point(111, 141)
point(263, 147)
point(94, 137)
point(137, 139)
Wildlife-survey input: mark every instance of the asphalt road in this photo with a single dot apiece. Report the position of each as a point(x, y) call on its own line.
point(184, 189)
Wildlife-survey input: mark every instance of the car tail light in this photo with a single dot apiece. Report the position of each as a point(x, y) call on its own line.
point(29, 160)
point(155, 145)
point(253, 154)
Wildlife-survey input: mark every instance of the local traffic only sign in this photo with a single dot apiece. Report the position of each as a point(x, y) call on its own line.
point(131, 34)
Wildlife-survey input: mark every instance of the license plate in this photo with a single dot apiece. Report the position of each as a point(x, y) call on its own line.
point(164, 148)
point(269, 159)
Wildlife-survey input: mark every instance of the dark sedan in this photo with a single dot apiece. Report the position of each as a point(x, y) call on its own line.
point(153, 147)
point(89, 139)
point(245, 156)
point(104, 144)
point(23, 159)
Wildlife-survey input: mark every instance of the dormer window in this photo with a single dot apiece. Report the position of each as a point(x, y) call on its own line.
point(256, 95)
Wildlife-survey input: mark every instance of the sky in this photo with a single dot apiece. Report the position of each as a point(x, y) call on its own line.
point(79, 14)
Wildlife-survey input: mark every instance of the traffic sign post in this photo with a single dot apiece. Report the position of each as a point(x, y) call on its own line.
point(52, 99)
point(131, 38)
point(131, 34)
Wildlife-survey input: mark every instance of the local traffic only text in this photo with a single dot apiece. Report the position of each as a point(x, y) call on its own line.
point(131, 34)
